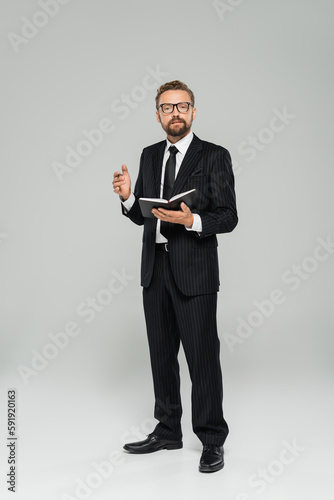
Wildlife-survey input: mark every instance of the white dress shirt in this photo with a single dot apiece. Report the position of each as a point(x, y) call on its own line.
point(182, 146)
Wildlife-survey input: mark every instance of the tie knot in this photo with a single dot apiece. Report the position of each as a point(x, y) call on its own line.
point(173, 150)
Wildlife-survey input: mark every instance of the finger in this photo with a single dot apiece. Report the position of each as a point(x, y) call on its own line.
point(184, 207)
point(118, 183)
point(116, 177)
point(163, 211)
point(155, 213)
point(119, 179)
point(124, 169)
point(158, 215)
point(118, 174)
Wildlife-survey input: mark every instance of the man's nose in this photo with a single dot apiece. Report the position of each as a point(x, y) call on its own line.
point(175, 111)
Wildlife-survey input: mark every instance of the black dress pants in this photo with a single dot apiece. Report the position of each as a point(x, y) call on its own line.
point(172, 317)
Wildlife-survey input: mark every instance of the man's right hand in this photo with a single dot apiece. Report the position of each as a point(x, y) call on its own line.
point(122, 183)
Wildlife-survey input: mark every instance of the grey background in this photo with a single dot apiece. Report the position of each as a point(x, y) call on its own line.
point(60, 242)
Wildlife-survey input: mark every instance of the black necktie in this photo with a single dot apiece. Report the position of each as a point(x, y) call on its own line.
point(168, 184)
point(170, 173)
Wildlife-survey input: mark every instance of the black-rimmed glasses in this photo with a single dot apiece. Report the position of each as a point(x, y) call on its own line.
point(168, 108)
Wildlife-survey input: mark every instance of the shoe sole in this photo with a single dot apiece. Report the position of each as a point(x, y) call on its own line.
point(171, 446)
point(216, 468)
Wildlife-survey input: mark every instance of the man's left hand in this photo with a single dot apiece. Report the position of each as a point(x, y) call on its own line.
point(183, 216)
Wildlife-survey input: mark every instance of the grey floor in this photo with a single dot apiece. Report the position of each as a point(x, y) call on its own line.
point(280, 444)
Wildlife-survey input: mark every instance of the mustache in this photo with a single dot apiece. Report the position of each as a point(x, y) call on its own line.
point(175, 120)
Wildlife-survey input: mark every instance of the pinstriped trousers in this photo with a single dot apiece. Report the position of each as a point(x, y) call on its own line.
point(171, 318)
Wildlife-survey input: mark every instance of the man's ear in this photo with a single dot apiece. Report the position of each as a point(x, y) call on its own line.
point(194, 113)
point(158, 116)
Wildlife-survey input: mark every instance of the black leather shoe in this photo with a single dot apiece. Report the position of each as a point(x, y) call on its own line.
point(212, 458)
point(152, 443)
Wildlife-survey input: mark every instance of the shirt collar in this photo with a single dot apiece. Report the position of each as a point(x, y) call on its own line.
point(183, 144)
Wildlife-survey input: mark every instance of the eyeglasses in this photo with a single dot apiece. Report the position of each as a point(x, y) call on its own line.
point(168, 108)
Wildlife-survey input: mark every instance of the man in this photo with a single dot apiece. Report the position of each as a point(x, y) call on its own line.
point(179, 272)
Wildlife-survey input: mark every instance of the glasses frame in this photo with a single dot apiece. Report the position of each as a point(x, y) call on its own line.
point(174, 105)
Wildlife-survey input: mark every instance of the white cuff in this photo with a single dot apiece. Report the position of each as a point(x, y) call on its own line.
point(127, 204)
point(197, 224)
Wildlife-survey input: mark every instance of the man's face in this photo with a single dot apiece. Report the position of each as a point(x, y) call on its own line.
point(177, 125)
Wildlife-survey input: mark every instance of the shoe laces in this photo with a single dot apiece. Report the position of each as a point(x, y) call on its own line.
point(213, 448)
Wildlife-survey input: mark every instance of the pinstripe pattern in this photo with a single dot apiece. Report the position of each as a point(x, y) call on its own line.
point(171, 317)
point(180, 288)
point(194, 260)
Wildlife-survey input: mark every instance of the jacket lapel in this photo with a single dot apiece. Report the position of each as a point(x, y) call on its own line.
point(157, 158)
point(190, 161)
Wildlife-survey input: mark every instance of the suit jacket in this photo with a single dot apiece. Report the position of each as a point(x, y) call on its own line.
point(193, 257)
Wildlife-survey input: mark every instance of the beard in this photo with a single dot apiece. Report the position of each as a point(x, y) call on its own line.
point(178, 130)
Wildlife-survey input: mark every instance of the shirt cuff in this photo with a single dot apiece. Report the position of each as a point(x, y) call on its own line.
point(197, 224)
point(127, 204)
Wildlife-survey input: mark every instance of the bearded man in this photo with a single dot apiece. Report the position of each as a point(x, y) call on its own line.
point(179, 272)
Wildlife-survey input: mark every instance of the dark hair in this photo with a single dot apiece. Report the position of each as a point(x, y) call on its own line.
point(174, 85)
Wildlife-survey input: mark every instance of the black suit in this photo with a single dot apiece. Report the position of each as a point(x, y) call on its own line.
point(180, 287)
